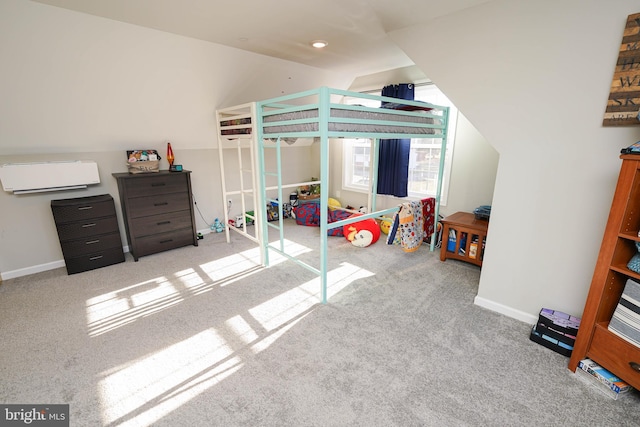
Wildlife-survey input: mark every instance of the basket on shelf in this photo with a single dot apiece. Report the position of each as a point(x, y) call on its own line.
point(143, 161)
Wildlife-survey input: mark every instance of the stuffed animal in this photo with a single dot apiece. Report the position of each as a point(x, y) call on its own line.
point(362, 233)
point(385, 225)
point(333, 203)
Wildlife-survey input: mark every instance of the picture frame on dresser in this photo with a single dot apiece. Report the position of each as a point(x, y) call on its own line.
point(157, 211)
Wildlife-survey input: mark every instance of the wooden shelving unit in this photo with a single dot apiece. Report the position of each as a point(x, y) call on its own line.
point(594, 339)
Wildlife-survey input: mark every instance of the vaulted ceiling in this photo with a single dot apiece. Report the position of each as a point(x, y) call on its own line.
point(356, 30)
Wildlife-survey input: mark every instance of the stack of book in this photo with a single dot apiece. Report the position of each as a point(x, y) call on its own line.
point(556, 331)
point(601, 379)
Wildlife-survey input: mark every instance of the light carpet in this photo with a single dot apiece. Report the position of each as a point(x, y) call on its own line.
point(203, 336)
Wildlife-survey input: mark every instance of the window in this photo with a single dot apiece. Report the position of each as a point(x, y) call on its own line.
point(424, 157)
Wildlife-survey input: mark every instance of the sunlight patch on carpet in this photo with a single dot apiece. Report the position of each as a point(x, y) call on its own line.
point(115, 309)
point(278, 311)
point(241, 329)
point(143, 391)
point(232, 268)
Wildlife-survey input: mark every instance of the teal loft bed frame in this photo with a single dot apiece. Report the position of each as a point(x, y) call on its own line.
point(317, 114)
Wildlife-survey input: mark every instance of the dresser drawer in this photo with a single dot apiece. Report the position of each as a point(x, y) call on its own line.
point(163, 223)
point(154, 185)
point(159, 204)
point(95, 260)
point(164, 241)
point(90, 227)
point(68, 210)
point(615, 354)
point(91, 244)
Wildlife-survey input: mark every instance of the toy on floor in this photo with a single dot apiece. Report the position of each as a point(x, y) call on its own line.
point(385, 225)
point(333, 203)
point(362, 233)
point(217, 226)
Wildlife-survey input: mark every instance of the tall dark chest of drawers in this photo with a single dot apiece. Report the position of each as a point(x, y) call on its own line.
point(157, 209)
point(88, 232)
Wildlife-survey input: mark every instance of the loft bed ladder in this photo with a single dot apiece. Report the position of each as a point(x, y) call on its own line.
point(248, 189)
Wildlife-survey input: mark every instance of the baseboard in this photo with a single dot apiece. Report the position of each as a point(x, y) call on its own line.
point(32, 270)
point(38, 268)
point(507, 311)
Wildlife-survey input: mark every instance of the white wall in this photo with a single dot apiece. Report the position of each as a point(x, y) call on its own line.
point(75, 86)
point(474, 160)
point(472, 179)
point(533, 78)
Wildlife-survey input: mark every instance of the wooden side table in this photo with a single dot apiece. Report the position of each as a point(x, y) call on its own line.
point(463, 238)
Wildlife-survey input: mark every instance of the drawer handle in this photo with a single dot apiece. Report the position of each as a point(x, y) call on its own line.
point(157, 184)
point(91, 242)
point(93, 224)
point(84, 208)
point(161, 204)
point(164, 222)
point(166, 241)
point(635, 366)
point(93, 258)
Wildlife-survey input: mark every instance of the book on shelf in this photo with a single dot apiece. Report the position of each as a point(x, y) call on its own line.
point(605, 377)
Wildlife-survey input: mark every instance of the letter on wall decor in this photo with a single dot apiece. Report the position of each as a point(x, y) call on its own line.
point(623, 106)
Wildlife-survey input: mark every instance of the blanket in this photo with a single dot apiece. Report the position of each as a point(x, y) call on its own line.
point(309, 214)
point(412, 224)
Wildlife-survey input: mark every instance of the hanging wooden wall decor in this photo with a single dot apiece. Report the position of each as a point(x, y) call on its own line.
point(623, 105)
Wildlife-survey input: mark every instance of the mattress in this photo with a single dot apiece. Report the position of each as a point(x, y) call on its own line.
point(377, 124)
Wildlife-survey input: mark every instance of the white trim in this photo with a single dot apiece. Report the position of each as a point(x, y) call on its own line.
point(507, 311)
point(38, 268)
point(32, 270)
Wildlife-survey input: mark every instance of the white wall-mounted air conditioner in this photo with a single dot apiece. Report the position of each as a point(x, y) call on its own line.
point(20, 178)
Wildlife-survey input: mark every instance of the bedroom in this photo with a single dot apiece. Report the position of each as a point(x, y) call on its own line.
point(537, 96)
point(127, 60)
point(121, 70)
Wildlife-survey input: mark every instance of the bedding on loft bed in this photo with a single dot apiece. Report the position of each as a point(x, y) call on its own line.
point(363, 119)
point(236, 126)
point(400, 117)
point(394, 118)
point(243, 126)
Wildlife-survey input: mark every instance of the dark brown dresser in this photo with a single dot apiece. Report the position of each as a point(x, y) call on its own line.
point(157, 210)
point(88, 232)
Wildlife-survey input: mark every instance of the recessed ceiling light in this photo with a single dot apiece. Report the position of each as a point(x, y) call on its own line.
point(319, 44)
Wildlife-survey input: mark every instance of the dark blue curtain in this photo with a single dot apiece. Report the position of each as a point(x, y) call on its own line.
point(393, 166)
